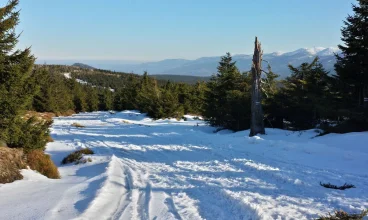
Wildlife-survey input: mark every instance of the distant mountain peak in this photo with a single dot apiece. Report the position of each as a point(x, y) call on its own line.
point(277, 53)
point(83, 66)
point(206, 66)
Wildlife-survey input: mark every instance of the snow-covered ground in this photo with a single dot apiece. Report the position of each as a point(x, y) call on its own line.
point(168, 169)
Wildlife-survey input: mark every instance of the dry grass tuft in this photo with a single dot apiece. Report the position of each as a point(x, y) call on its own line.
point(10, 163)
point(50, 139)
point(40, 116)
point(38, 160)
point(77, 125)
point(68, 113)
point(77, 156)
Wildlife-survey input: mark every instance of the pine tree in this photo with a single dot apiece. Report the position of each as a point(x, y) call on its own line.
point(16, 84)
point(352, 65)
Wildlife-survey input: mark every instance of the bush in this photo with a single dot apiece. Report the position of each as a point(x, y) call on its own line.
point(30, 134)
point(351, 125)
point(76, 156)
point(341, 215)
point(10, 163)
point(38, 160)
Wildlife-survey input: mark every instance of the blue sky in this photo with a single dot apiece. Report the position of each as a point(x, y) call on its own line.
point(158, 29)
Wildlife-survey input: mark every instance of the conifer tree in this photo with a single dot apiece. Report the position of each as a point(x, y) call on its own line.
point(227, 102)
point(105, 98)
point(352, 65)
point(91, 99)
point(305, 96)
point(16, 84)
point(54, 94)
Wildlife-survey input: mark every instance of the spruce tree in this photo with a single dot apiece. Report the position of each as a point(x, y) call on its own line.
point(227, 98)
point(16, 83)
point(304, 98)
point(352, 64)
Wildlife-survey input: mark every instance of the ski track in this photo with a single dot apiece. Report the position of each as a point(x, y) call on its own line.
point(165, 169)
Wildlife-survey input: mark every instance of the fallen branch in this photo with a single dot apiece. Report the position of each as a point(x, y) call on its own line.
point(343, 187)
point(340, 215)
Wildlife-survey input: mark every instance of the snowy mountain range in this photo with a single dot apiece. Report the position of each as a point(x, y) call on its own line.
point(206, 66)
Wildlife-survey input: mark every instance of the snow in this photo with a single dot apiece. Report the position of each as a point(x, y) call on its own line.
point(315, 51)
point(328, 51)
point(82, 82)
point(169, 169)
point(67, 75)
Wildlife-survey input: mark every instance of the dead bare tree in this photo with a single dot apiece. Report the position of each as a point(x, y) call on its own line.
point(256, 123)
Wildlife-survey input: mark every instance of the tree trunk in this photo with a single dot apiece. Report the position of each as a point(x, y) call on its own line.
point(256, 123)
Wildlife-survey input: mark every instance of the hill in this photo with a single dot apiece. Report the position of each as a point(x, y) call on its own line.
point(84, 66)
point(112, 79)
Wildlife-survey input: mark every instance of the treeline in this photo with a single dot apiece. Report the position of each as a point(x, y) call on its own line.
point(304, 100)
point(111, 91)
point(59, 94)
point(168, 100)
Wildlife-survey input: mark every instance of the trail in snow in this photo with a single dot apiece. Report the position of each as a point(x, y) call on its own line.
point(168, 169)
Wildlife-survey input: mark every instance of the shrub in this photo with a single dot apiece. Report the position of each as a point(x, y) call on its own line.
point(30, 134)
point(341, 215)
point(10, 163)
point(38, 160)
point(351, 125)
point(77, 125)
point(343, 187)
point(76, 156)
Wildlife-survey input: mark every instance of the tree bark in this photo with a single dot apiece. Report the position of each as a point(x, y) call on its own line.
point(256, 123)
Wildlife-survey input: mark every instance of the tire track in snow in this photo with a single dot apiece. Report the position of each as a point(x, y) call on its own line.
point(108, 199)
point(171, 206)
point(140, 196)
point(125, 200)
